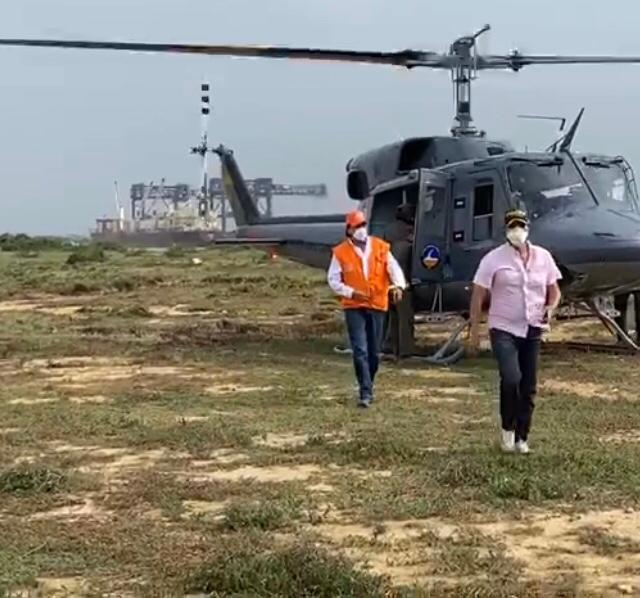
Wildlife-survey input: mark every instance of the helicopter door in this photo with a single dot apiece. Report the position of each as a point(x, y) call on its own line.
point(431, 249)
point(479, 202)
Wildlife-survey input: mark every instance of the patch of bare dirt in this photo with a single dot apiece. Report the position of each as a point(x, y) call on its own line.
point(220, 457)
point(50, 306)
point(60, 587)
point(204, 509)
point(178, 311)
point(225, 389)
point(281, 441)
point(321, 487)
point(457, 391)
point(126, 463)
point(64, 362)
point(584, 329)
point(547, 545)
point(586, 390)
point(92, 399)
point(421, 394)
point(83, 508)
point(362, 473)
point(6, 431)
point(436, 373)
point(77, 373)
point(556, 546)
point(275, 473)
point(112, 463)
point(192, 418)
point(459, 418)
point(33, 401)
point(292, 440)
point(622, 437)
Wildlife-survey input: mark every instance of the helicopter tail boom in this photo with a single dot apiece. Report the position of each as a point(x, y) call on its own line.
point(245, 211)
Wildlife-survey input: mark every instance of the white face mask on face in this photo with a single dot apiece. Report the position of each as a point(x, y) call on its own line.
point(517, 236)
point(360, 234)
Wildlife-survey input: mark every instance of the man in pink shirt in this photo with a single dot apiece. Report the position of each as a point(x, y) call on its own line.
point(519, 280)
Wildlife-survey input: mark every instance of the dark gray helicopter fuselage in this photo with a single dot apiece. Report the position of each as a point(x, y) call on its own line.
point(583, 208)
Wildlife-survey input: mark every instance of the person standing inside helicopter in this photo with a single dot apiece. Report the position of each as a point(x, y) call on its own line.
point(399, 333)
point(519, 280)
point(364, 274)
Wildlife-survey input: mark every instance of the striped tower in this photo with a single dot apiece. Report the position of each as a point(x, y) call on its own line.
point(205, 109)
point(204, 202)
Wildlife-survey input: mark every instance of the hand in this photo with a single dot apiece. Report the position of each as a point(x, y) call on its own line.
point(358, 296)
point(396, 295)
point(548, 316)
point(472, 345)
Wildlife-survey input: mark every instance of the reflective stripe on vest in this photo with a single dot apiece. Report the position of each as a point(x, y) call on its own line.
point(376, 284)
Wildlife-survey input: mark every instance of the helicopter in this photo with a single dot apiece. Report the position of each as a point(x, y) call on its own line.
point(583, 207)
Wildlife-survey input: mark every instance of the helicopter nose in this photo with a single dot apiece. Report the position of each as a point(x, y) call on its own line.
point(597, 261)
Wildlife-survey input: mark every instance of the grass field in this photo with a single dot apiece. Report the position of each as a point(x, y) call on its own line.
point(173, 429)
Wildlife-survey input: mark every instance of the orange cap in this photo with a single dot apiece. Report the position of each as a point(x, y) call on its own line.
point(355, 219)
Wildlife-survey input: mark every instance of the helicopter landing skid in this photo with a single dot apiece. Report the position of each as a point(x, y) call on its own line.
point(449, 352)
point(612, 326)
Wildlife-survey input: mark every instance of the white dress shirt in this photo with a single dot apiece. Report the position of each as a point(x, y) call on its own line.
point(334, 274)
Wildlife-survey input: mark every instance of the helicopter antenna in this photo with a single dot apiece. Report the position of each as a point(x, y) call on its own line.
point(565, 148)
point(564, 142)
point(465, 71)
point(560, 119)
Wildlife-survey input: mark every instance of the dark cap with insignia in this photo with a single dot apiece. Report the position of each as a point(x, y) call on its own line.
point(515, 217)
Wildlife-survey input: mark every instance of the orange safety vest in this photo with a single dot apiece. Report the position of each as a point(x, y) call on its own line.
point(377, 285)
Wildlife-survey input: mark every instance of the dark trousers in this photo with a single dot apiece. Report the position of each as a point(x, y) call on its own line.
point(518, 365)
point(365, 336)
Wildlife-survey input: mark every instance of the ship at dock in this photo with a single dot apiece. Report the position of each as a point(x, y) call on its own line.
point(163, 215)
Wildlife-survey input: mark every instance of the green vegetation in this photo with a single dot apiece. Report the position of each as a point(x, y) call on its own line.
point(252, 568)
point(85, 254)
point(262, 515)
point(26, 245)
point(169, 429)
point(29, 479)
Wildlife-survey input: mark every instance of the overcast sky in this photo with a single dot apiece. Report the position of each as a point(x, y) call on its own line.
point(73, 121)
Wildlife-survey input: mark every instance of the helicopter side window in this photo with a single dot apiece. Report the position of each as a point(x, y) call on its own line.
point(483, 212)
point(385, 205)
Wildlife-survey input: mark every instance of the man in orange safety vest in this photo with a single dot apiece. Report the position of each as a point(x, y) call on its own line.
point(364, 274)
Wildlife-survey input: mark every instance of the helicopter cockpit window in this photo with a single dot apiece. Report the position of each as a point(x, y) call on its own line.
point(483, 212)
point(610, 184)
point(551, 187)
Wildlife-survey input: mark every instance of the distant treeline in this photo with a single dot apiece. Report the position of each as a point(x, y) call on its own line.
point(21, 242)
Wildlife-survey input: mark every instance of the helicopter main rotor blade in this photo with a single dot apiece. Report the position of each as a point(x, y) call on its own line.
point(406, 58)
point(516, 61)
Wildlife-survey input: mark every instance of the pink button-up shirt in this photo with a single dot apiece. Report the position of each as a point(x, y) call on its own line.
point(518, 290)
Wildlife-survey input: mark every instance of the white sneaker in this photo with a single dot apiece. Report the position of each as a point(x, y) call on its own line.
point(522, 447)
point(508, 441)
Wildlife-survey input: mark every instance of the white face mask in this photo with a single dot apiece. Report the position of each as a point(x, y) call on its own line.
point(517, 236)
point(360, 234)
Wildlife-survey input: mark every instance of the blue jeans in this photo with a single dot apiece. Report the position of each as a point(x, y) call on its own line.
point(365, 336)
point(518, 364)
